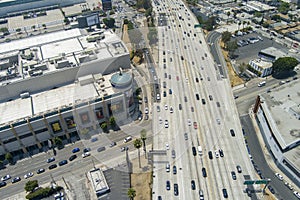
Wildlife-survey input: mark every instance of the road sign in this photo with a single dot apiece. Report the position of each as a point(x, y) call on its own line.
point(249, 182)
point(261, 181)
point(197, 26)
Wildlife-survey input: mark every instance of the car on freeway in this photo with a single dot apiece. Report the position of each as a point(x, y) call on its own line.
point(289, 185)
point(232, 132)
point(189, 122)
point(217, 153)
point(197, 80)
point(271, 189)
point(52, 166)
point(124, 149)
point(174, 170)
point(6, 177)
point(279, 176)
point(75, 150)
point(180, 107)
point(192, 109)
point(86, 154)
point(177, 78)
point(72, 157)
point(193, 185)
point(157, 108)
point(186, 137)
point(2, 184)
point(164, 94)
point(170, 91)
point(210, 97)
point(197, 96)
point(297, 194)
point(166, 124)
point(146, 111)
point(221, 152)
point(171, 109)
point(185, 99)
point(201, 195)
point(194, 151)
point(41, 170)
point(86, 150)
point(239, 169)
point(225, 194)
point(100, 149)
point(218, 121)
point(168, 185)
point(112, 144)
point(167, 167)
point(159, 198)
point(49, 160)
point(203, 101)
point(63, 162)
point(173, 154)
point(28, 175)
point(233, 175)
point(166, 107)
point(204, 174)
point(210, 155)
point(167, 146)
point(16, 179)
point(195, 125)
point(176, 192)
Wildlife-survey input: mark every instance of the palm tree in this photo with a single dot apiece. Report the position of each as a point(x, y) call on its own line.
point(143, 138)
point(138, 144)
point(131, 193)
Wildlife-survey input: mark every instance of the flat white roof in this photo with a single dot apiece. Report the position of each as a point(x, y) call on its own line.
point(98, 181)
point(39, 40)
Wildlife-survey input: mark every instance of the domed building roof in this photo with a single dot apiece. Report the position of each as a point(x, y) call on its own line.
point(121, 79)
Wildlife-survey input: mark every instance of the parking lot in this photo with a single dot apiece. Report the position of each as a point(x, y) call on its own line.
point(246, 53)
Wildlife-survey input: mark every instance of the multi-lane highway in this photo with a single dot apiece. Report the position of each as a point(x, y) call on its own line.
point(193, 87)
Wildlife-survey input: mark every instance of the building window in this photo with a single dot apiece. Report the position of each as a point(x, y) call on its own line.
point(56, 127)
point(6, 141)
point(70, 122)
point(85, 118)
point(25, 135)
point(40, 131)
point(99, 113)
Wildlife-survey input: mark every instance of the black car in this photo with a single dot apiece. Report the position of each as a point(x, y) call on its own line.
point(176, 192)
point(197, 96)
point(112, 144)
point(168, 186)
point(39, 171)
point(86, 150)
point(232, 132)
point(174, 170)
point(101, 149)
point(271, 189)
point(180, 107)
point(210, 155)
point(73, 157)
point(203, 101)
point(2, 184)
point(204, 172)
point(197, 80)
point(49, 160)
point(225, 194)
point(221, 152)
point(165, 94)
point(239, 169)
point(233, 175)
point(52, 166)
point(194, 151)
point(63, 162)
point(193, 185)
point(16, 179)
point(185, 99)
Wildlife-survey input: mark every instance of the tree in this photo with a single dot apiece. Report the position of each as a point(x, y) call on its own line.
point(9, 157)
point(57, 141)
point(33, 27)
point(226, 36)
point(239, 25)
point(131, 193)
point(104, 126)
point(44, 25)
point(284, 7)
point(112, 121)
point(143, 138)
point(137, 143)
point(210, 23)
point(257, 14)
point(18, 30)
point(231, 46)
point(31, 185)
point(109, 22)
point(284, 64)
point(228, 14)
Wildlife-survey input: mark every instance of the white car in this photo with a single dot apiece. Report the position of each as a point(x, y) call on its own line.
point(217, 153)
point(160, 120)
point(166, 124)
point(167, 146)
point(146, 110)
point(171, 109)
point(30, 174)
point(297, 194)
point(279, 176)
point(86, 154)
point(6, 177)
point(166, 107)
point(189, 122)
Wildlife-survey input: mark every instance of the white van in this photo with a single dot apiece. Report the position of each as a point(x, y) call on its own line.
point(167, 167)
point(127, 139)
point(200, 150)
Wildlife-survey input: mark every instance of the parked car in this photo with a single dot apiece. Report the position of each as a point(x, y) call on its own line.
point(52, 166)
point(279, 176)
point(28, 175)
point(49, 160)
point(75, 150)
point(2, 184)
point(16, 179)
point(63, 162)
point(86, 154)
point(41, 170)
point(6, 177)
point(72, 157)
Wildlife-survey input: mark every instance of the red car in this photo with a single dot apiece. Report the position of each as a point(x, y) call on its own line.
point(177, 77)
point(195, 125)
